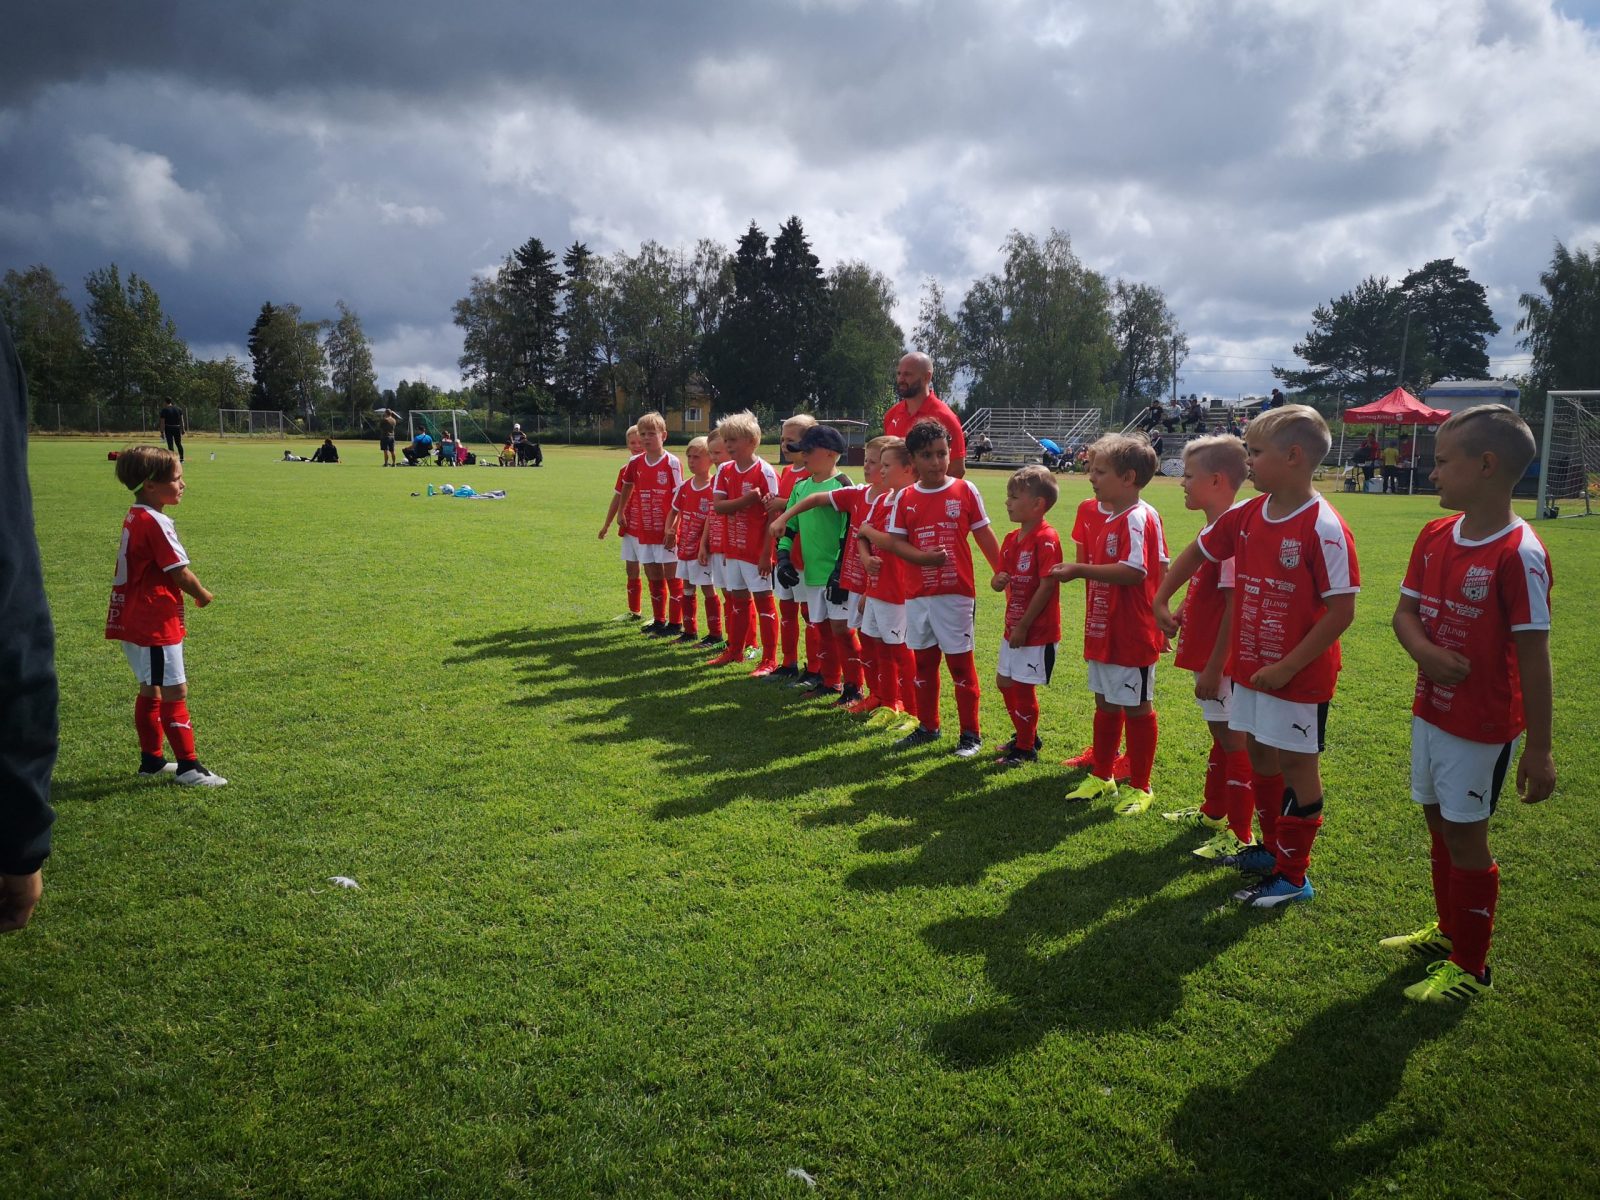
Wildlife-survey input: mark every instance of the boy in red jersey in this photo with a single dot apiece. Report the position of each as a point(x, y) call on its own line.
point(1033, 608)
point(146, 614)
point(1214, 469)
point(739, 493)
point(1122, 552)
point(691, 506)
point(791, 600)
point(1296, 579)
point(649, 482)
point(630, 544)
point(713, 535)
point(883, 611)
point(929, 528)
point(1474, 613)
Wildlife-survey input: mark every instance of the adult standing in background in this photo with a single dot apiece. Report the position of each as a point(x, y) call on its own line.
point(27, 664)
point(388, 422)
point(172, 428)
point(913, 383)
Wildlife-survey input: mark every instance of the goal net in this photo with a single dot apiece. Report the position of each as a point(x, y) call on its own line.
point(435, 422)
point(1569, 462)
point(252, 422)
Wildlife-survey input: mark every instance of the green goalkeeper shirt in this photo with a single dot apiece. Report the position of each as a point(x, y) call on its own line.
point(819, 530)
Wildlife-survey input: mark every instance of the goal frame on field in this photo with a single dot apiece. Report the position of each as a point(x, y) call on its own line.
point(253, 422)
point(1564, 411)
point(442, 418)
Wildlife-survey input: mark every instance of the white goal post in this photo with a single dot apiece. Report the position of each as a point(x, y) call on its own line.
point(252, 422)
point(436, 421)
point(1569, 455)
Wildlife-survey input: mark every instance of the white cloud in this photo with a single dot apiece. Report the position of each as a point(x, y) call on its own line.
point(132, 199)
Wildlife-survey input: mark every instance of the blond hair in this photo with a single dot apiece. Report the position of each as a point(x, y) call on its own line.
point(889, 444)
point(1293, 425)
point(139, 465)
point(740, 425)
point(1220, 454)
point(800, 421)
point(1497, 430)
point(1035, 481)
point(1125, 452)
point(633, 432)
point(652, 420)
point(698, 443)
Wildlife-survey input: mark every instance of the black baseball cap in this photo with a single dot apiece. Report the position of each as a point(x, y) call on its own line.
point(822, 437)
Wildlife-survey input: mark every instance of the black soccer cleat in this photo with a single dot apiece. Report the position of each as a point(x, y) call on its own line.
point(810, 681)
point(850, 695)
point(654, 629)
point(785, 673)
point(711, 639)
point(917, 737)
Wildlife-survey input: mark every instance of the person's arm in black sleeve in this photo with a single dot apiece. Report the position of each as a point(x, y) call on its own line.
point(27, 664)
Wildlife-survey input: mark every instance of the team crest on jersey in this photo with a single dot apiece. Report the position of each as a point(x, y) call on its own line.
point(1289, 553)
point(952, 509)
point(1111, 545)
point(661, 476)
point(1476, 584)
point(1025, 560)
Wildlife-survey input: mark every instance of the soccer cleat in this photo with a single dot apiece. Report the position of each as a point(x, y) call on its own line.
point(199, 776)
point(822, 692)
point(688, 638)
point(1081, 761)
point(152, 767)
point(917, 737)
point(1425, 941)
point(1120, 770)
point(633, 616)
point(888, 714)
point(807, 682)
point(849, 698)
point(671, 630)
point(787, 671)
point(711, 639)
point(1445, 982)
point(865, 706)
point(1017, 758)
point(1010, 744)
point(763, 669)
point(1132, 801)
point(654, 629)
point(723, 659)
point(1274, 890)
point(1219, 847)
point(1193, 818)
point(968, 745)
point(1093, 788)
point(1252, 860)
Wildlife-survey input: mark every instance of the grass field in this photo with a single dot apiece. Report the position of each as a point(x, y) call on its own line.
point(630, 927)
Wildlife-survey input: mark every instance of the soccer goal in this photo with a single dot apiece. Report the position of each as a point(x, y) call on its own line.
point(252, 422)
point(436, 421)
point(1569, 459)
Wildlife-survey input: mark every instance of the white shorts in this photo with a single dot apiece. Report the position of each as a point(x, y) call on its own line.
point(1125, 687)
point(156, 666)
point(719, 572)
point(945, 621)
point(630, 549)
point(656, 553)
point(693, 574)
point(797, 593)
point(819, 608)
point(884, 621)
point(743, 576)
point(1027, 664)
point(1463, 778)
point(858, 610)
point(1218, 709)
point(1282, 724)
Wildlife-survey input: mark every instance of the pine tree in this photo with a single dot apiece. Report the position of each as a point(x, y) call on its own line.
point(532, 288)
point(800, 319)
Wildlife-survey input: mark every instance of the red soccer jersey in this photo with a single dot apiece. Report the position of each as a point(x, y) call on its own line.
point(628, 518)
point(146, 606)
point(788, 476)
point(1285, 568)
point(853, 502)
point(889, 584)
point(1472, 596)
point(1027, 559)
point(745, 531)
point(940, 519)
point(654, 486)
point(897, 422)
point(1119, 624)
point(1089, 517)
point(692, 503)
point(1203, 605)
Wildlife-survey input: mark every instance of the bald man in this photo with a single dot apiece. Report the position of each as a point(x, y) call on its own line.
point(913, 383)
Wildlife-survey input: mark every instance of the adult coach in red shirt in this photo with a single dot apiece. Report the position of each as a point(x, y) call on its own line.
point(913, 383)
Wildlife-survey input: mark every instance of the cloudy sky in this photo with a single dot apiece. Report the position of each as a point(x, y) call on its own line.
point(1251, 157)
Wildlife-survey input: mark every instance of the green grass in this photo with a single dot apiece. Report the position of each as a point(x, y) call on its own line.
point(629, 927)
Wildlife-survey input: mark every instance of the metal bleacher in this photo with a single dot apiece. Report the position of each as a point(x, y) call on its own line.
point(1009, 429)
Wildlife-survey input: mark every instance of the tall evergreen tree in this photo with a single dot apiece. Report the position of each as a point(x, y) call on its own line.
point(289, 366)
point(350, 363)
point(738, 356)
point(1451, 323)
point(1561, 327)
point(800, 319)
point(1352, 349)
point(48, 334)
point(136, 352)
point(533, 293)
point(856, 372)
point(581, 376)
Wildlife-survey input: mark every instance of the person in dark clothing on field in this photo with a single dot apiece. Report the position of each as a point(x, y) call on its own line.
point(28, 702)
point(327, 452)
point(172, 428)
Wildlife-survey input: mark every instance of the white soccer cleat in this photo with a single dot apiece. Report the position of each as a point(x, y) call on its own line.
point(200, 776)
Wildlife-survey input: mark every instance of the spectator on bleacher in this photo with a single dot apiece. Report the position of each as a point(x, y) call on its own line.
point(1150, 417)
point(1234, 428)
point(1194, 415)
point(1158, 444)
point(1274, 401)
point(981, 447)
point(913, 383)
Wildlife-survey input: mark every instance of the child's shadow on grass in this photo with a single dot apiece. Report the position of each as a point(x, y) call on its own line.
point(1292, 1126)
point(1124, 973)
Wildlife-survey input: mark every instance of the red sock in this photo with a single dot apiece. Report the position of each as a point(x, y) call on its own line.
point(925, 686)
point(907, 658)
point(147, 720)
point(1216, 787)
point(1023, 702)
point(870, 666)
point(738, 621)
point(814, 649)
point(713, 613)
point(964, 674)
point(1439, 860)
point(1473, 895)
point(688, 604)
point(1240, 791)
point(789, 618)
point(1141, 748)
point(830, 662)
point(767, 620)
point(1294, 836)
point(888, 686)
point(658, 600)
point(851, 652)
point(180, 733)
point(1269, 803)
point(635, 593)
point(674, 600)
point(1107, 740)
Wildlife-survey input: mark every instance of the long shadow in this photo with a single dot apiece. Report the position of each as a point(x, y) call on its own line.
point(1292, 1126)
point(1125, 973)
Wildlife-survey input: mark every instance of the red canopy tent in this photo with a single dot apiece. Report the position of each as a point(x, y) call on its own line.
point(1399, 407)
